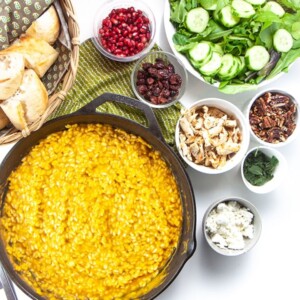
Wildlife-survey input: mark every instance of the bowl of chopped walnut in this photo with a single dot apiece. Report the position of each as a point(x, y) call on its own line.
point(273, 118)
point(212, 136)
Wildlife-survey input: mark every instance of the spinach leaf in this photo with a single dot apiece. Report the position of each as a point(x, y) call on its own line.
point(284, 62)
point(236, 88)
point(184, 47)
point(180, 39)
point(266, 35)
point(178, 11)
point(208, 3)
point(293, 4)
point(191, 4)
point(296, 30)
point(216, 31)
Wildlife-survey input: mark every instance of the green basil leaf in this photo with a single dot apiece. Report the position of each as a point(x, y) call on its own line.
point(256, 170)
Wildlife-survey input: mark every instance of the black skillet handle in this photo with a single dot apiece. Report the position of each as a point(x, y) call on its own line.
point(7, 285)
point(148, 112)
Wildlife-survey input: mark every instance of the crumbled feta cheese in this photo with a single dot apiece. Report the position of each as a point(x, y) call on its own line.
point(218, 239)
point(229, 224)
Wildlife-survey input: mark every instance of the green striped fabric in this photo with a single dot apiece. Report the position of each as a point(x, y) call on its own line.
point(96, 75)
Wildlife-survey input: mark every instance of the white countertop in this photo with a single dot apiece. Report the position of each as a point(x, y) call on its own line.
point(271, 269)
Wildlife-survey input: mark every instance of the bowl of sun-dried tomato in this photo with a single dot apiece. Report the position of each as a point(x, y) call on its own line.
point(273, 117)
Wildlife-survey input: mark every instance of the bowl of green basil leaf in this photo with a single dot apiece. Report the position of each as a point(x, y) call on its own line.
point(263, 169)
point(236, 45)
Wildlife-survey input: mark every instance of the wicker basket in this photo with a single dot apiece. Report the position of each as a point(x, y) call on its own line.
point(58, 96)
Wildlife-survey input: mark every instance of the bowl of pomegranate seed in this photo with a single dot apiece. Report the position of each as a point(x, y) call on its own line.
point(159, 79)
point(124, 30)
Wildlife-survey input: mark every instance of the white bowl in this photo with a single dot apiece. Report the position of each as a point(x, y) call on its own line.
point(257, 139)
point(233, 111)
point(279, 174)
point(104, 10)
point(249, 243)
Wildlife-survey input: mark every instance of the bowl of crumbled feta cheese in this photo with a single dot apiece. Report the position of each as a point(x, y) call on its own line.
point(232, 226)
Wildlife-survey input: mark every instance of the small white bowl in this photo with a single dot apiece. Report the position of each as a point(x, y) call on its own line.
point(279, 174)
point(256, 138)
point(249, 243)
point(231, 110)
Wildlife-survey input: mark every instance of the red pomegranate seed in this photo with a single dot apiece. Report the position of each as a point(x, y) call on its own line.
point(125, 32)
point(114, 21)
point(144, 40)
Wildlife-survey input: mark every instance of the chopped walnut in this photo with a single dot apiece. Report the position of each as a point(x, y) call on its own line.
point(273, 117)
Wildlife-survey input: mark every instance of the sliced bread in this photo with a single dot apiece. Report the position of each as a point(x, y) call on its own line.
point(11, 73)
point(28, 103)
point(46, 27)
point(38, 54)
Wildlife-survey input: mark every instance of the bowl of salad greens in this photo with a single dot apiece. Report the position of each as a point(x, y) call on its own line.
point(234, 45)
point(263, 169)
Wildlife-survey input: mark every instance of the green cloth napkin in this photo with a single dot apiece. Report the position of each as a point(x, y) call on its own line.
point(96, 75)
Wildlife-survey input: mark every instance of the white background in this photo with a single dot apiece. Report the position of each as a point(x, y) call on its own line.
point(271, 269)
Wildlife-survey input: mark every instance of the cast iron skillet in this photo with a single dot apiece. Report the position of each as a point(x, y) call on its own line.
point(153, 136)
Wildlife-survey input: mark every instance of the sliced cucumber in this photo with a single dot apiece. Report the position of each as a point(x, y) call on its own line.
point(229, 67)
point(201, 53)
point(197, 20)
point(195, 64)
point(212, 66)
point(209, 5)
point(256, 2)
point(282, 40)
point(256, 57)
point(275, 8)
point(227, 18)
point(217, 48)
point(242, 9)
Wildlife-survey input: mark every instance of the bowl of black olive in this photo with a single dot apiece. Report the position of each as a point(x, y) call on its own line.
point(159, 79)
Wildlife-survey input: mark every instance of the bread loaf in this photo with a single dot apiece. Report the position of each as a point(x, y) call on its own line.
point(15, 112)
point(28, 103)
point(38, 54)
point(11, 73)
point(46, 27)
point(4, 121)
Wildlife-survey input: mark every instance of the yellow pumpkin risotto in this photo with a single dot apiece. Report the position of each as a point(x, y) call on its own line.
point(92, 212)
